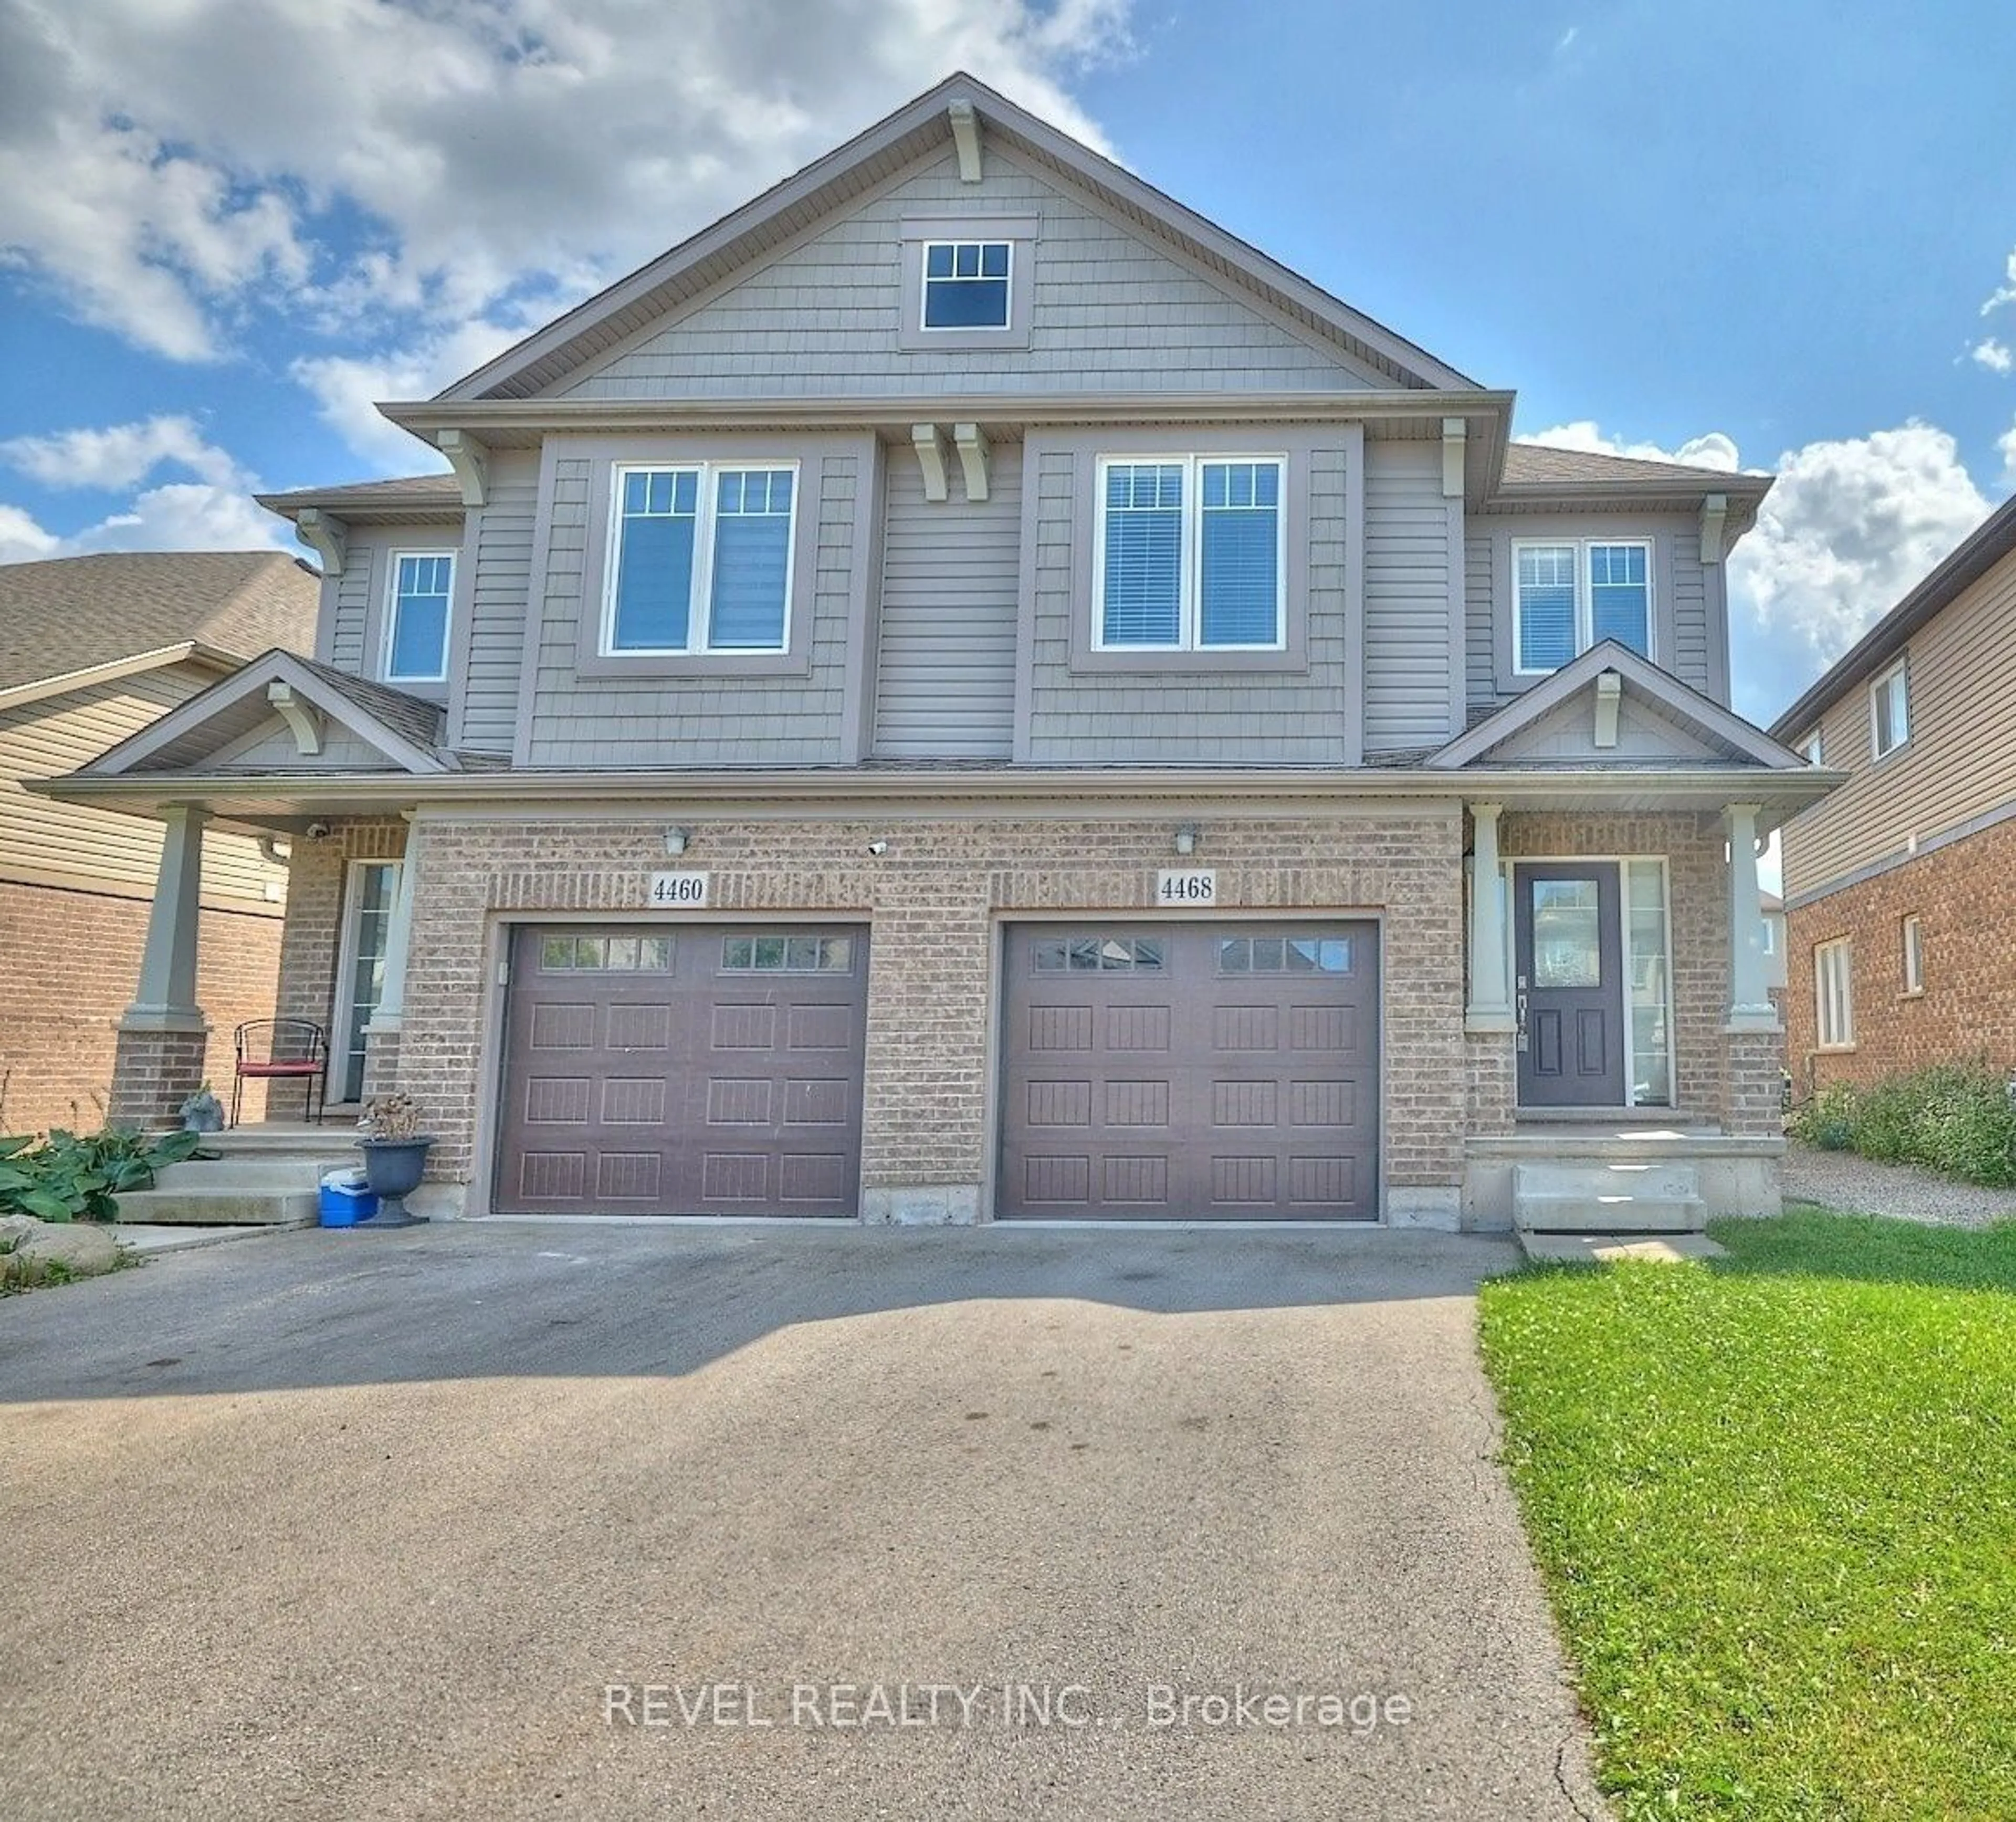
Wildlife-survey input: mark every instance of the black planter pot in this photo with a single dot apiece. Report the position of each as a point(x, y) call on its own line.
point(393, 1168)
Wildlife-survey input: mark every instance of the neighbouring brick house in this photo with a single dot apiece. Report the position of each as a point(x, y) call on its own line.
point(1901, 917)
point(964, 692)
point(93, 649)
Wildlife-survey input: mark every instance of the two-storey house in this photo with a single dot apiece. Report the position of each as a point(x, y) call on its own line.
point(1901, 927)
point(963, 691)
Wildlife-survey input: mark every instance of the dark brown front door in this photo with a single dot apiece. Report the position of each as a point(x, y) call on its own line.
point(1174, 1070)
point(683, 1069)
point(1569, 979)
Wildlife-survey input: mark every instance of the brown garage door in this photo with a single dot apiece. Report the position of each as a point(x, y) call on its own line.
point(1177, 1070)
point(711, 1070)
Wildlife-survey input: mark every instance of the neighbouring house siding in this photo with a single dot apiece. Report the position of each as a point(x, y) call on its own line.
point(492, 645)
point(1111, 308)
point(68, 959)
point(945, 656)
point(1967, 928)
point(1959, 765)
point(708, 717)
point(1205, 709)
point(1407, 559)
point(44, 841)
point(1683, 598)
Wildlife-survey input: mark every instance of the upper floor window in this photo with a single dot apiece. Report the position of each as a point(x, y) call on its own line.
point(1814, 749)
point(417, 618)
point(1572, 593)
point(1188, 554)
point(700, 559)
point(967, 284)
point(1889, 711)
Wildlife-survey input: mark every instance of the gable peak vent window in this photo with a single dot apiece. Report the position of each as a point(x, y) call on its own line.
point(968, 284)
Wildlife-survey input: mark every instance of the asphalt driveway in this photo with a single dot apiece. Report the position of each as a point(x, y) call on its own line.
point(496, 1521)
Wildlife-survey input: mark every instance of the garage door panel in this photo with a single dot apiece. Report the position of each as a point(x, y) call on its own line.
point(1186, 1069)
point(710, 1070)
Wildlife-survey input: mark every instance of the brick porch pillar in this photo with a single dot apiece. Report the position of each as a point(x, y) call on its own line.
point(158, 1060)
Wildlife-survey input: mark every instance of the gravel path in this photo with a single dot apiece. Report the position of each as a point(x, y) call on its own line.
point(1840, 1179)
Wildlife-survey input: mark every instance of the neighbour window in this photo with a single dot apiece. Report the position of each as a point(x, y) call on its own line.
point(700, 559)
point(1889, 711)
point(966, 284)
point(1833, 994)
point(1570, 595)
point(1914, 957)
point(1190, 555)
point(1814, 749)
point(417, 618)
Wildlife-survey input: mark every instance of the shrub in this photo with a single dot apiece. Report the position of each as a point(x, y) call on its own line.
point(1956, 1118)
point(68, 1177)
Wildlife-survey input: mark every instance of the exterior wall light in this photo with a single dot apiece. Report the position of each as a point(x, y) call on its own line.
point(676, 840)
point(1186, 838)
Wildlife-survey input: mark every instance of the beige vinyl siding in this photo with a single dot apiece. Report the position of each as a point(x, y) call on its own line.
point(946, 651)
point(42, 841)
point(1960, 763)
point(1406, 597)
point(1111, 308)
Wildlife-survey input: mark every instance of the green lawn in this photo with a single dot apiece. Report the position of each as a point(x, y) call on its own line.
point(1774, 1500)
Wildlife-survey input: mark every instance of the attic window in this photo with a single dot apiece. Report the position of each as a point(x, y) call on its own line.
point(967, 284)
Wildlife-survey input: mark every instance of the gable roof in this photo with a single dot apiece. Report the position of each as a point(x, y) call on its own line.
point(1698, 715)
point(78, 614)
point(919, 128)
point(1990, 541)
point(412, 496)
point(1541, 465)
point(406, 729)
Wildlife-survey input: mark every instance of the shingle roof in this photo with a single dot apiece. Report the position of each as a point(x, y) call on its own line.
point(73, 613)
point(413, 717)
point(404, 491)
point(1536, 465)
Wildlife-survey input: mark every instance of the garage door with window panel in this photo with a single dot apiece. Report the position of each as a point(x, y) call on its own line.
point(1169, 1070)
point(682, 1070)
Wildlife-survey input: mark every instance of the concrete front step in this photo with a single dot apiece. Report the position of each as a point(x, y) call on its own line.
point(1619, 1197)
point(206, 1175)
point(267, 1208)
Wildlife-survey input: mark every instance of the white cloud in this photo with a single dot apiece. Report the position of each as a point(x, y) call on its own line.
point(2006, 444)
point(122, 456)
point(1712, 450)
point(2006, 294)
point(23, 541)
point(1995, 356)
point(393, 170)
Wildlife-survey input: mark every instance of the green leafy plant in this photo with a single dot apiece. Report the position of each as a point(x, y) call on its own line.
point(1956, 1118)
point(68, 1176)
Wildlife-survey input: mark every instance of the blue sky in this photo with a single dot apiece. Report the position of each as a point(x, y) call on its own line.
point(1778, 237)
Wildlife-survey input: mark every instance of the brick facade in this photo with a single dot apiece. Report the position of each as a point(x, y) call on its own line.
point(69, 961)
point(1961, 896)
point(935, 900)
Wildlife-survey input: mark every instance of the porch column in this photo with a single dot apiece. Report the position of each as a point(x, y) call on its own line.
point(382, 1035)
point(1490, 1008)
point(1749, 1007)
point(158, 1059)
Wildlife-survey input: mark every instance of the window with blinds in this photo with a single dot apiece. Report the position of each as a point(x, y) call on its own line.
point(700, 559)
point(1569, 594)
point(1189, 554)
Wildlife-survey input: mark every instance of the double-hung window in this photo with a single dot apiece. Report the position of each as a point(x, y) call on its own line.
point(1569, 594)
point(416, 617)
point(1889, 711)
point(966, 284)
point(1188, 555)
point(1833, 994)
point(701, 559)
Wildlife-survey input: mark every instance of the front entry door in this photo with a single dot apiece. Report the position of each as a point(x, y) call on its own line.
point(1570, 974)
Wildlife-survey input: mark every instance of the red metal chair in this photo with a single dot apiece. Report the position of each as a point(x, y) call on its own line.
point(281, 1050)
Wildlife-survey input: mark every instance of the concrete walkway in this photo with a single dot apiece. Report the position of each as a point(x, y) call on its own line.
point(493, 1521)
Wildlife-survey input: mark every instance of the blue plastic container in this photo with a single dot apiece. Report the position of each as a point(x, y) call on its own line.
point(346, 1199)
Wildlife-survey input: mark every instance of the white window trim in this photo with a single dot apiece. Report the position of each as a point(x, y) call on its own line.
point(344, 1029)
point(1585, 614)
point(1912, 935)
point(1844, 1038)
point(1900, 674)
point(391, 619)
point(700, 608)
point(1005, 327)
point(1190, 605)
point(1813, 748)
